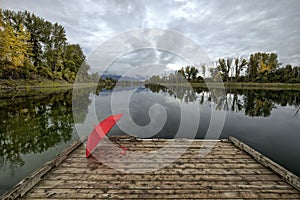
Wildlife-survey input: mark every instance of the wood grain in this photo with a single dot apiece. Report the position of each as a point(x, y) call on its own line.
point(225, 172)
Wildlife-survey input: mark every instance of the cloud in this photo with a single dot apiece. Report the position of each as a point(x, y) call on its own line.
point(229, 28)
point(173, 66)
point(148, 62)
point(222, 28)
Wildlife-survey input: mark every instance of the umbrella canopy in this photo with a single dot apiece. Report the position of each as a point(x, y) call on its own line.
point(100, 131)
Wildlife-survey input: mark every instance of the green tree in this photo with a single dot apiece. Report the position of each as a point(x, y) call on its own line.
point(73, 59)
point(54, 50)
point(260, 65)
point(224, 67)
point(48, 54)
point(194, 71)
point(203, 67)
point(188, 73)
point(155, 79)
point(240, 64)
point(14, 51)
point(40, 31)
point(296, 72)
point(252, 70)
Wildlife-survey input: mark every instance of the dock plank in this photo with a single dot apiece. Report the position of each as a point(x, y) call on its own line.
point(192, 171)
point(225, 171)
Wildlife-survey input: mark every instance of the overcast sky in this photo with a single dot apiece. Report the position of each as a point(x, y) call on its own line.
point(222, 28)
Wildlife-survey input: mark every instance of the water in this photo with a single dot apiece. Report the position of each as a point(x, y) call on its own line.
point(34, 129)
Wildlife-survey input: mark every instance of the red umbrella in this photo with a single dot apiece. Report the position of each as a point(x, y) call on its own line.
point(100, 131)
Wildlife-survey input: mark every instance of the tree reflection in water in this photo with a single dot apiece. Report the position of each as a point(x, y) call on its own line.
point(34, 124)
point(254, 103)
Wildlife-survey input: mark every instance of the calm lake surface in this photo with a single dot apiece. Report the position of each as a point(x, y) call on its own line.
point(34, 129)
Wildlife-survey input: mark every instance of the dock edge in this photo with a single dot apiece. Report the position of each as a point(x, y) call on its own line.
point(288, 176)
point(29, 182)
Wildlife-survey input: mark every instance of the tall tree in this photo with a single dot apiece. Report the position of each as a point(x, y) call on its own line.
point(194, 71)
point(240, 64)
point(48, 50)
point(73, 59)
point(188, 72)
point(40, 36)
point(252, 70)
point(14, 51)
point(203, 67)
point(54, 49)
point(261, 64)
point(224, 67)
point(267, 62)
point(296, 72)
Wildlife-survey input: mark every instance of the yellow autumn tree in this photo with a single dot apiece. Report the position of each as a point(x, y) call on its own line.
point(15, 50)
point(264, 67)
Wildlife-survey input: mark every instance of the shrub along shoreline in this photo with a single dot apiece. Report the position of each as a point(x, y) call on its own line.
point(30, 88)
point(11, 84)
point(49, 84)
point(246, 86)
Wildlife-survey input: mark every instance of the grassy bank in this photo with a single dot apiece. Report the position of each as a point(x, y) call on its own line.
point(265, 86)
point(35, 84)
point(17, 93)
point(28, 84)
point(25, 88)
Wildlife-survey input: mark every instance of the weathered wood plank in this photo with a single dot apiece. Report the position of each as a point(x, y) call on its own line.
point(203, 185)
point(107, 149)
point(160, 145)
point(118, 155)
point(224, 173)
point(113, 151)
point(155, 194)
point(176, 164)
point(181, 198)
point(180, 183)
point(75, 193)
point(184, 160)
point(131, 179)
point(228, 171)
point(167, 177)
point(165, 184)
point(134, 139)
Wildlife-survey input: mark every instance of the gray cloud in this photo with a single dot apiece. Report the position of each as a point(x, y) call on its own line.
point(221, 28)
point(151, 62)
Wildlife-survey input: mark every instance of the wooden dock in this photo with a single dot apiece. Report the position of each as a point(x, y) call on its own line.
point(230, 170)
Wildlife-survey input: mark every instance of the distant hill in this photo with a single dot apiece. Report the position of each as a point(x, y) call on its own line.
point(127, 78)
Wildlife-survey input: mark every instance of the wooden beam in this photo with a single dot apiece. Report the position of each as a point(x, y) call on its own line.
point(288, 176)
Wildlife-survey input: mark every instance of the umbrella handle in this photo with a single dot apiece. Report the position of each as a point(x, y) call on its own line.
point(124, 149)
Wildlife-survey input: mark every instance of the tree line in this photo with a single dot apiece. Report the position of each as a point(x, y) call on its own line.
point(33, 124)
point(32, 48)
point(254, 103)
point(260, 67)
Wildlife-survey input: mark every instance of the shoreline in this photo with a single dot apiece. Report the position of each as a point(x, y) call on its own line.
point(37, 84)
point(256, 86)
point(24, 85)
point(25, 88)
point(8, 85)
